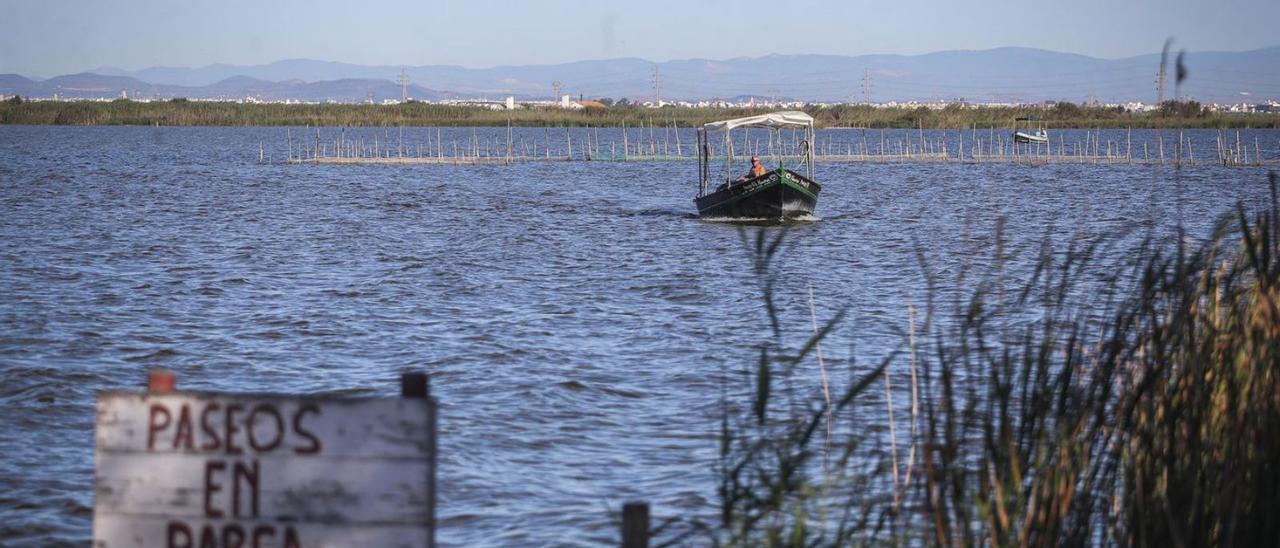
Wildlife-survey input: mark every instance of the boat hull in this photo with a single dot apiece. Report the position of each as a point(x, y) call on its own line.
point(1020, 137)
point(777, 195)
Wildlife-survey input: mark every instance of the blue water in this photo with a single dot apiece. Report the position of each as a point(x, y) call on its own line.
point(576, 318)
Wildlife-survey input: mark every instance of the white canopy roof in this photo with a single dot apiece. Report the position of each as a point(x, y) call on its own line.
point(788, 118)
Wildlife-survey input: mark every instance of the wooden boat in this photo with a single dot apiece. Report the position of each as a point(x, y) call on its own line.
point(778, 195)
point(1037, 136)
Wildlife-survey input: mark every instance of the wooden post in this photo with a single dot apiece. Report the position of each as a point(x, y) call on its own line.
point(417, 385)
point(635, 525)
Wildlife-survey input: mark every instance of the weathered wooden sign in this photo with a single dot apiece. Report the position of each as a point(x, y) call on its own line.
point(190, 469)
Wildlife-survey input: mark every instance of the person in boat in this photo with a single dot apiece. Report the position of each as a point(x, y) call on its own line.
point(757, 169)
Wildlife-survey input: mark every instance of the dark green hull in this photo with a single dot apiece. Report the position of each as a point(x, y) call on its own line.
point(779, 194)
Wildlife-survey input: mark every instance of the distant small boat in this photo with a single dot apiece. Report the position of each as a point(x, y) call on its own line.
point(1038, 136)
point(776, 195)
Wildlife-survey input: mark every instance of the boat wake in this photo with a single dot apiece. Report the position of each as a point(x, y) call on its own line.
point(763, 221)
point(660, 213)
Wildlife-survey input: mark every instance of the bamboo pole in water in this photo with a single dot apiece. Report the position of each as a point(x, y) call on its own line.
point(1128, 149)
point(1178, 162)
point(679, 150)
point(1239, 157)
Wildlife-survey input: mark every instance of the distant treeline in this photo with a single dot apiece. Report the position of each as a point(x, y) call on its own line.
point(180, 112)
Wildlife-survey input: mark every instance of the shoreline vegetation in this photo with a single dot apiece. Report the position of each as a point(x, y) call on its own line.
point(1135, 408)
point(180, 112)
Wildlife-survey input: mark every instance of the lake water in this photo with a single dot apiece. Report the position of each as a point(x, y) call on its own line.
point(576, 318)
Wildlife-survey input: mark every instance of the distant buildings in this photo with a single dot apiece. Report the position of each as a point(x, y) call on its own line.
point(568, 103)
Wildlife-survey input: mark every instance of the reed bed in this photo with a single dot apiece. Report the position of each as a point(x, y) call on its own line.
point(1083, 404)
point(181, 112)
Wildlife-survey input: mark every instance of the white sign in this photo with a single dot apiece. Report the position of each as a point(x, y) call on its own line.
point(199, 470)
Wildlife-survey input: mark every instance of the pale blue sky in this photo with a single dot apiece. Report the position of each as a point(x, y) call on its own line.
point(49, 37)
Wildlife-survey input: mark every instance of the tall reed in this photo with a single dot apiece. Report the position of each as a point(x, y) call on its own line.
point(1084, 404)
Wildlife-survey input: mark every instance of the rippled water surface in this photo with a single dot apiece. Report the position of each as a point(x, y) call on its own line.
point(575, 318)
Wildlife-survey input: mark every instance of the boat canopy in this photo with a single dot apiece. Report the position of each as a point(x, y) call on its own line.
point(790, 118)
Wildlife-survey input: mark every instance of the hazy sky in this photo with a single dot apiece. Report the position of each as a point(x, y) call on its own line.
point(49, 37)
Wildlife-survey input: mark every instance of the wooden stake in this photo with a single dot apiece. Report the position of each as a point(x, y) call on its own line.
point(635, 525)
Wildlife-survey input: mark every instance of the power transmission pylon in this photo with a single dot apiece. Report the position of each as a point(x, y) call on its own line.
point(657, 86)
point(555, 89)
point(866, 85)
point(404, 86)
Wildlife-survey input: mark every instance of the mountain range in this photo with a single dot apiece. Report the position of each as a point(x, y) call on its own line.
point(994, 75)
